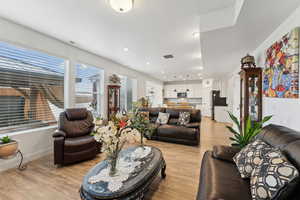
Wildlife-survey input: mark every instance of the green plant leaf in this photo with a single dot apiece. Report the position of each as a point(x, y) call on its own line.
point(247, 127)
point(235, 120)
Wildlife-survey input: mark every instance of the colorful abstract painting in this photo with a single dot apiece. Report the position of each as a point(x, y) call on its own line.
point(281, 73)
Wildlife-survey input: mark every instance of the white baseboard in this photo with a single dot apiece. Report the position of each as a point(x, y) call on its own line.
point(14, 162)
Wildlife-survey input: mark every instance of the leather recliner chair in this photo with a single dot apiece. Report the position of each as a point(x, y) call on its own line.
point(72, 140)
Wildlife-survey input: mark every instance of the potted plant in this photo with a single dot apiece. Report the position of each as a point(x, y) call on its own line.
point(8, 147)
point(242, 137)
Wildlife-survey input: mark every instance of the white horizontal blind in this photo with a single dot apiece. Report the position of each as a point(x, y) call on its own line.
point(89, 88)
point(31, 88)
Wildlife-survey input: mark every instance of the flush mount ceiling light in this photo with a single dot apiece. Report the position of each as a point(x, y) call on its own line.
point(121, 6)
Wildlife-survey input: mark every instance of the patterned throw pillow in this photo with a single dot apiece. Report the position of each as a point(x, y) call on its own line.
point(163, 118)
point(184, 118)
point(270, 179)
point(250, 157)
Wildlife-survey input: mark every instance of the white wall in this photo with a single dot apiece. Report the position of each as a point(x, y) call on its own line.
point(157, 97)
point(38, 143)
point(285, 111)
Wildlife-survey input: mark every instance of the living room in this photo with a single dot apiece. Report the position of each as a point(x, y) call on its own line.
point(138, 99)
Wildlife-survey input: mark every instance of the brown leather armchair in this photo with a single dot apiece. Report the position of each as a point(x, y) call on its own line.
point(72, 140)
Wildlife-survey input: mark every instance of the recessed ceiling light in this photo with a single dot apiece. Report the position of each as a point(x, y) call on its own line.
point(148, 63)
point(200, 68)
point(196, 35)
point(125, 49)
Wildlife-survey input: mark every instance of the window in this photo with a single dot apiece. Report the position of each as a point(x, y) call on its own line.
point(89, 88)
point(127, 93)
point(31, 88)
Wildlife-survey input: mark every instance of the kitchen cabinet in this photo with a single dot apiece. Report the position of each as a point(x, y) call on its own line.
point(169, 91)
point(194, 90)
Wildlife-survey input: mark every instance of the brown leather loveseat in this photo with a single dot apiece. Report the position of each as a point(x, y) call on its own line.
point(220, 179)
point(171, 132)
point(72, 140)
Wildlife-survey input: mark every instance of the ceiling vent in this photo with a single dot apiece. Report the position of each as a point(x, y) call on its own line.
point(169, 56)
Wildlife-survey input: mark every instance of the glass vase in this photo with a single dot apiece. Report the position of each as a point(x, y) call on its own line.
point(113, 161)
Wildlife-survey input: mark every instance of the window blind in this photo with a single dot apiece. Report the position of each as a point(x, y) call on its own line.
point(31, 88)
point(89, 88)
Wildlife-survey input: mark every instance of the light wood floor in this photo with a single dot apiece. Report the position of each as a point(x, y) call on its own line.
point(42, 181)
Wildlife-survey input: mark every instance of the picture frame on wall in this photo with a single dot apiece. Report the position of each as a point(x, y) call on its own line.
point(281, 72)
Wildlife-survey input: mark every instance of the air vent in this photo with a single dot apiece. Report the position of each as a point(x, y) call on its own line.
point(169, 56)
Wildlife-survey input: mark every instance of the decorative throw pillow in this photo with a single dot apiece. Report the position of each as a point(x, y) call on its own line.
point(163, 118)
point(184, 118)
point(270, 180)
point(250, 157)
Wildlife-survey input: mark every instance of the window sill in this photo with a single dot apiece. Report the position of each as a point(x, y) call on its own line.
point(15, 133)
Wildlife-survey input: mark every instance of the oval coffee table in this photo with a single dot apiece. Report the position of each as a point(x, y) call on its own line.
point(125, 186)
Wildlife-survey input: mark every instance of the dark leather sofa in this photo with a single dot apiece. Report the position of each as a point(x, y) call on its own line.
point(220, 179)
point(171, 132)
point(72, 140)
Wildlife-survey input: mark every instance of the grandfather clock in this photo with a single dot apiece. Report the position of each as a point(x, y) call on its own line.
point(251, 91)
point(113, 100)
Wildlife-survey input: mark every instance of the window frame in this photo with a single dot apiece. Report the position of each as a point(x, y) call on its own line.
point(11, 130)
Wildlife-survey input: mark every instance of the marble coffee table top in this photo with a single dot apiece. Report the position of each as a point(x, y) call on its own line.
point(135, 166)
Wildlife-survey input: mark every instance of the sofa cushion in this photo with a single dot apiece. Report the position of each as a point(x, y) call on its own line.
point(291, 151)
point(221, 180)
point(193, 125)
point(79, 144)
point(173, 121)
point(275, 178)
point(153, 112)
point(195, 114)
point(225, 153)
point(76, 113)
point(184, 118)
point(250, 157)
point(179, 132)
point(76, 128)
point(278, 136)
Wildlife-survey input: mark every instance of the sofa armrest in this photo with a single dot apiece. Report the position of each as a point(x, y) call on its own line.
point(193, 125)
point(59, 133)
point(225, 153)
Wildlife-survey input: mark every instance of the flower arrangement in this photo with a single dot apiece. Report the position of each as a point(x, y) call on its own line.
point(114, 136)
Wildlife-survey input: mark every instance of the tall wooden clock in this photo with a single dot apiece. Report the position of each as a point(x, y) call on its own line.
point(113, 100)
point(250, 91)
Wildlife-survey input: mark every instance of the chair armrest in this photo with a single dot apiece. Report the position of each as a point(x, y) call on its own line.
point(193, 125)
point(225, 152)
point(59, 133)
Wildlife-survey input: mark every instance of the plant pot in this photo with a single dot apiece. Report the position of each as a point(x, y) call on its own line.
point(8, 149)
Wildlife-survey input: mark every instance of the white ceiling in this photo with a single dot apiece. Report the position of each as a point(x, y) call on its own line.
point(155, 28)
point(223, 48)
